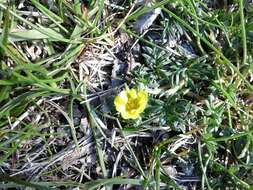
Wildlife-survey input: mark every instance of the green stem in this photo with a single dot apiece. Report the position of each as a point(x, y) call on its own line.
point(244, 37)
point(244, 41)
point(204, 177)
point(192, 5)
point(93, 125)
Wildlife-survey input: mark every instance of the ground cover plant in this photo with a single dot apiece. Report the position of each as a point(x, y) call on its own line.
point(126, 94)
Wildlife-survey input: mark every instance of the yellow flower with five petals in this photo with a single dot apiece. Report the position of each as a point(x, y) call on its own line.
point(131, 103)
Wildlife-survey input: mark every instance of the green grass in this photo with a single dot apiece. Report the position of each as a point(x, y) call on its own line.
point(59, 127)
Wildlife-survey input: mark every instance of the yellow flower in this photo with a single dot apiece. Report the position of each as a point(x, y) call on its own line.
point(131, 103)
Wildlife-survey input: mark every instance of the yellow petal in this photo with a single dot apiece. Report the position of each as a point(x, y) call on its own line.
point(143, 95)
point(130, 115)
point(135, 114)
point(123, 96)
point(131, 103)
point(125, 115)
point(132, 93)
point(120, 101)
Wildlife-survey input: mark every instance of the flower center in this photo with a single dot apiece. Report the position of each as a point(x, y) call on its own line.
point(132, 105)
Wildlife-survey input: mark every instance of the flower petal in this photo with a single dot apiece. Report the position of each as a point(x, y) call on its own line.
point(131, 103)
point(132, 94)
point(125, 115)
point(135, 114)
point(120, 101)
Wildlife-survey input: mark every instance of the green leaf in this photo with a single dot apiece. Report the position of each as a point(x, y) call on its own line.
point(5, 33)
point(24, 35)
point(52, 34)
point(22, 183)
point(4, 92)
point(113, 181)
